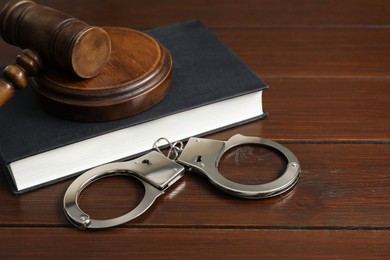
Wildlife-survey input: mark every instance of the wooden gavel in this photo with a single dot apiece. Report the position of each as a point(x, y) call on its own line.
point(51, 37)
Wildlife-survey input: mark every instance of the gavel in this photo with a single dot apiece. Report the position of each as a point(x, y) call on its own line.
point(51, 37)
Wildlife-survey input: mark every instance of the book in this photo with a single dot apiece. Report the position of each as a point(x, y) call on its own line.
point(212, 90)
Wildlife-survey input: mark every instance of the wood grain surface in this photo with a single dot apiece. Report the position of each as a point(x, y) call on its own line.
point(327, 63)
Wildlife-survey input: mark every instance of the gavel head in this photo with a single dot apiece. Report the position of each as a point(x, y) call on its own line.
point(59, 38)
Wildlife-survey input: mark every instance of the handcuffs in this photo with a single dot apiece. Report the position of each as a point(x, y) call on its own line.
point(158, 172)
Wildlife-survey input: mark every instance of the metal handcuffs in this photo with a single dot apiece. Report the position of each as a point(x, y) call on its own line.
point(158, 172)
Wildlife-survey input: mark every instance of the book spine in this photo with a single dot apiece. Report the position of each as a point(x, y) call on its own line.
point(4, 169)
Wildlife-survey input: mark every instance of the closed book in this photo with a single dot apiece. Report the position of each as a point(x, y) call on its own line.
point(212, 89)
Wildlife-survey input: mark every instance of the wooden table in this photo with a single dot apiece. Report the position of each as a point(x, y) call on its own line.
point(328, 67)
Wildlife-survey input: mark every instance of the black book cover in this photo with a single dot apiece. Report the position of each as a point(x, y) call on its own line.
point(205, 71)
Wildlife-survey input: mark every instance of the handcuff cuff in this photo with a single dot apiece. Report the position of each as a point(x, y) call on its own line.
point(158, 172)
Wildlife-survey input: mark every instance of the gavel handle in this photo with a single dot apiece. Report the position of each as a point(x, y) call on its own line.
point(28, 63)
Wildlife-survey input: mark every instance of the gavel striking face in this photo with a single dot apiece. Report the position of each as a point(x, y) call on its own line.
point(51, 37)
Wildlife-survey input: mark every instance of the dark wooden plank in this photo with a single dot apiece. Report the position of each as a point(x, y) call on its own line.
point(302, 52)
point(272, 52)
point(342, 186)
point(312, 53)
point(333, 109)
point(220, 13)
point(323, 110)
point(192, 244)
point(286, 51)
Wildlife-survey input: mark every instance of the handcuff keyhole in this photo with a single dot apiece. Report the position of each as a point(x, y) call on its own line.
point(198, 159)
point(147, 162)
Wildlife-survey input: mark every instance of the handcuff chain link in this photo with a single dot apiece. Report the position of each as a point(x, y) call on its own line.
point(174, 151)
